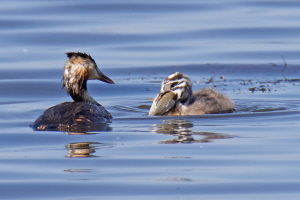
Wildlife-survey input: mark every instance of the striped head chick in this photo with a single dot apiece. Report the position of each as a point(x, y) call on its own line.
point(175, 89)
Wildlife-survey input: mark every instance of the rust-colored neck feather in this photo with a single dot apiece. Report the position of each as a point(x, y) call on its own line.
point(75, 80)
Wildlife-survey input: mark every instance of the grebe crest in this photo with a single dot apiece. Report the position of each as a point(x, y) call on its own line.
point(176, 97)
point(84, 111)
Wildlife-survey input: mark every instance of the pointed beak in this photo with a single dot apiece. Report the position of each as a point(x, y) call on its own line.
point(162, 103)
point(103, 77)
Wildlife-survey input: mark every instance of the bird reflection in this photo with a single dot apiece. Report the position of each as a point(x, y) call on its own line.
point(87, 130)
point(183, 130)
point(84, 149)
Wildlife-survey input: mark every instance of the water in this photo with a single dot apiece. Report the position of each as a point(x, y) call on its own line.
point(250, 48)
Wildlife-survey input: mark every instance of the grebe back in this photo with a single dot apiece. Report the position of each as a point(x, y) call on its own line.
point(84, 111)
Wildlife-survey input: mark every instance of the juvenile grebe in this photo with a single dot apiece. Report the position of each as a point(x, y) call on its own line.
point(177, 98)
point(84, 111)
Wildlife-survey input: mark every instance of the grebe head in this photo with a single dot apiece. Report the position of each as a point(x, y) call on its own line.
point(178, 83)
point(82, 64)
point(78, 69)
point(176, 88)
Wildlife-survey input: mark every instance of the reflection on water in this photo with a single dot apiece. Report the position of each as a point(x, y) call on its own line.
point(82, 130)
point(81, 149)
point(183, 129)
point(84, 149)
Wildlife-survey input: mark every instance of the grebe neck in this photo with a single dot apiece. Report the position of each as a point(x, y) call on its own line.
point(76, 87)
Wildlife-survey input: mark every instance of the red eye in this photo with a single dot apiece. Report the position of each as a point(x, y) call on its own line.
point(166, 80)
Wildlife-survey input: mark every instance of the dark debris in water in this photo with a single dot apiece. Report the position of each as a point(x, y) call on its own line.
point(268, 86)
point(262, 88)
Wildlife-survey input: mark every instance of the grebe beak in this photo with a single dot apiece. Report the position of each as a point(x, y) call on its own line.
point(163, 103)
point(103, 77)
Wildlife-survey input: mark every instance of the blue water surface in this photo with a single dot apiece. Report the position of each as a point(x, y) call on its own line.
point(248, 49)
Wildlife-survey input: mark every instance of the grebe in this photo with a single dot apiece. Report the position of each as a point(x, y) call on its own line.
point(84, 111)
point(177, 98)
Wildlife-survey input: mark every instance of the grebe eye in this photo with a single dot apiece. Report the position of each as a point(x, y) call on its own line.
point(173, 85)
point(166, 80)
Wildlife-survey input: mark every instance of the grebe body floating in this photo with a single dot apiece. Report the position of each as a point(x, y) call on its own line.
point(177, 98)
point(84, 111)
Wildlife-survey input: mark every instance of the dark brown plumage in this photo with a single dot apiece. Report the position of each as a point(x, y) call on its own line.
point(70, 115)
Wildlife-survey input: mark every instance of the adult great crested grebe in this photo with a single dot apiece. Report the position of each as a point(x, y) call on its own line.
point(84, 111)
point(177, 98)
